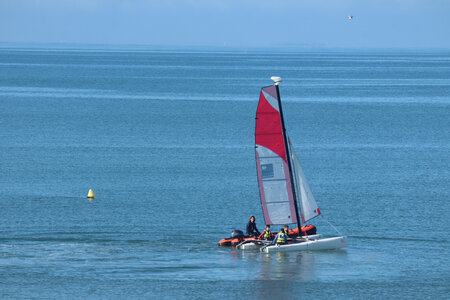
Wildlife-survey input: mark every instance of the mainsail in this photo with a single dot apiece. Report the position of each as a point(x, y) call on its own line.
point(274, 178)
point(308, 205)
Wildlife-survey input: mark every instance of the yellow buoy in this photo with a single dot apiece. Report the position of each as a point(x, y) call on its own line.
point(91, 194)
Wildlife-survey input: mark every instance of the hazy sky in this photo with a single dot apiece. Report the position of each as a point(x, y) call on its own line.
point(236, 23)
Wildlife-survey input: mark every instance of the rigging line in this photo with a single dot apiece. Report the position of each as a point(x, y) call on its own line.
point(331, 225)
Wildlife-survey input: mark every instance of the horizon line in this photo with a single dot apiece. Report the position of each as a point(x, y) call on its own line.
point(133, 46)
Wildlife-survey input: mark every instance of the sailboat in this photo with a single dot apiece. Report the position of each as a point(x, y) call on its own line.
point(282, 182)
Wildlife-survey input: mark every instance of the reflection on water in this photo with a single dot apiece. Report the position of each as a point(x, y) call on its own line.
point(275, 274)
point(285, 265)
point(292, 266)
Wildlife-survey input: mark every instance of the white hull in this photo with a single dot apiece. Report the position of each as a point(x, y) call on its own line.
point(250, 245)
point(317, 244)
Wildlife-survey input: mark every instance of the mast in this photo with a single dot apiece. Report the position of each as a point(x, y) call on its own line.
point(277, 81)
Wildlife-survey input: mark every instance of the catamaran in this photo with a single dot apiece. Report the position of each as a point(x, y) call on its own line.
point(282, 183)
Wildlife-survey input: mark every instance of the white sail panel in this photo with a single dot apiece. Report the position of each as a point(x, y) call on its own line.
point(308, 205)
point(274, 187)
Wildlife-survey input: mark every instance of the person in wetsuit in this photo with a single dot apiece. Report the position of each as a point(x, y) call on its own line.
point(251, 227)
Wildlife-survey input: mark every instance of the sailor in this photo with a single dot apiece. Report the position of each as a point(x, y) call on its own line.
point(266, 235)
point(286, 231)
point(251, 227)
point(280, 239)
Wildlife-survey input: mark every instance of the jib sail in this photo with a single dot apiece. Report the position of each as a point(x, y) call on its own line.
point(274, 178)
point(308, 205)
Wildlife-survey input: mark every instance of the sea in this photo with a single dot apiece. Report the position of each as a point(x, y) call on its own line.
point(165, 139)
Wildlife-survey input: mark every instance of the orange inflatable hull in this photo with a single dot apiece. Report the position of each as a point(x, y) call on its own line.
point(232, 242)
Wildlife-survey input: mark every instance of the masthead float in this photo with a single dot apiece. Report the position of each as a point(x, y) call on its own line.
point(284, 192)
point(276, 80)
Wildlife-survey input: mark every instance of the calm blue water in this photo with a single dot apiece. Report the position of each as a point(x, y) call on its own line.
point(165, 140)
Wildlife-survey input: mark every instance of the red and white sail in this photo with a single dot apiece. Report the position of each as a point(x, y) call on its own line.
point(308, 205)
point(275, 186)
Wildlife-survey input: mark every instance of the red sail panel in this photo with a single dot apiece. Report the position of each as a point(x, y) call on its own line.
point(275, 186)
